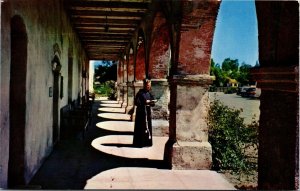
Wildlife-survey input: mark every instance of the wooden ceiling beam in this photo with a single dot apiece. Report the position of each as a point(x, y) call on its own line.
point(106, 13)
point(105, 40)
point(108, 46)
point(106, 35)
point(90, 19)
point(104, 57)
point(112, 29)
point(107, 43)
point(100, 37)
point(103, 33)
point(104, 20)
point(103, 24)
point(108, 4)
point(106, 32)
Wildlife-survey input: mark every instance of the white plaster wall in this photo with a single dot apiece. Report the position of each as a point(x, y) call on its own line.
point(46, 25)
point(4, 94)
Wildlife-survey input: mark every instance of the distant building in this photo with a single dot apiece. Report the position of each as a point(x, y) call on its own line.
point(232, 83)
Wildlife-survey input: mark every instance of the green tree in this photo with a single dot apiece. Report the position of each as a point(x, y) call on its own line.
point(230, 70)
point(244, 73)
point(230, 65)
point(257, 65)
point(105, 71)
point(215, 70)
point(212, 67)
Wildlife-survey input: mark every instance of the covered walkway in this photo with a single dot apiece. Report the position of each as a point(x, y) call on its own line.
point(105, 159)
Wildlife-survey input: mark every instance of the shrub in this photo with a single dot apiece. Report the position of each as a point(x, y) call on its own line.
point(212, 88)
point(111, 92)
point(231, 139)
point(231, 90)
point(106, 89)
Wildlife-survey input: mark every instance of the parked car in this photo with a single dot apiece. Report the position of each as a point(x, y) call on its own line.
point(242, 90)
point(252, 93)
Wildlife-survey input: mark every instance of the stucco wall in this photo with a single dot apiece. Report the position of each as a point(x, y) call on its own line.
point(4, 93)
point(46, 25)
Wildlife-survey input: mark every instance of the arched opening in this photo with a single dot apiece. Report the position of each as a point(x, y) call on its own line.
point(55, 106)
point(234, 54)
point(17, 103)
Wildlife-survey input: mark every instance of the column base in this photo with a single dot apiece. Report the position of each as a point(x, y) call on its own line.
point(124, 105)
point(129, 109)
point(160, 128)
point(184, 155)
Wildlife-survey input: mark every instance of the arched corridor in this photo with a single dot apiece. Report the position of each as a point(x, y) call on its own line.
point(46, 47)
point(105, 159)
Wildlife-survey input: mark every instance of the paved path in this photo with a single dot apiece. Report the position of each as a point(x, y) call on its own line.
point(105, 159)
point(249, 106)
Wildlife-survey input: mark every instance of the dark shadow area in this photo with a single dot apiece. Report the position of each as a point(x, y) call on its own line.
point(74, 161)
point(17, 103)
point(105, 132)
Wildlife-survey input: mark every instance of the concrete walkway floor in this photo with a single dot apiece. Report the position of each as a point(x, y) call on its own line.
point(105, 159)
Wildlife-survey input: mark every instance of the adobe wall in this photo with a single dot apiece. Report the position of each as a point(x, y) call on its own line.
point(46, 25)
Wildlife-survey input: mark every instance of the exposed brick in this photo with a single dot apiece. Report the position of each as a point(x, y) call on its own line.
point(140, 63)
point(195, 49)
point(160, 48)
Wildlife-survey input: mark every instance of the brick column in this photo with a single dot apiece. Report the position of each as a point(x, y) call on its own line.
point(130, 97)
point(192, 35)
point(124, 94)
point(119, 78)
point(130, 84)
point(160, 90)
point(140, 68)
point(137, 86)
point(188, 146)
point(278, 77)
point(279, 127)
point(159, 59)
point(120, 84)
point(124, 84)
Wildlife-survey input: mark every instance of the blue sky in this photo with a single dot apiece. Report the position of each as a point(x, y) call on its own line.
point(236, 32)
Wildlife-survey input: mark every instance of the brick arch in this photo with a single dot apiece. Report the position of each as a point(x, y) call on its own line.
point(196, 37)
point(17, 104)
point(191, 40)
point(119, 71)
point(160, 51)
point(140, 65)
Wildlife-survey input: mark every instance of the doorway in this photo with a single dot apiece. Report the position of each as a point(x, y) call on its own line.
point(17, 103)
point(56, 74)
